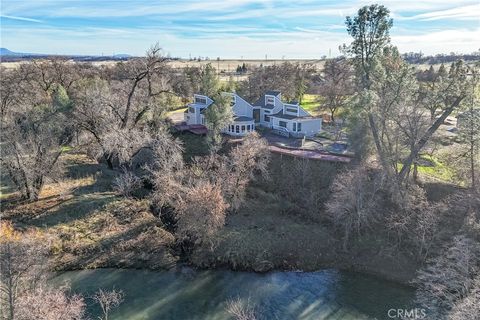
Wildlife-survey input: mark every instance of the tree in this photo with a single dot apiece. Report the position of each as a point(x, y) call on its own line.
point(337, 85)
point(469, 127)
point(217, 117)
point(50, 303)
point(201, 212)
point(370, 32)
point(35, 129)
point(352, 205)
point(245, 160)
point(108, 300)
point(209, 83)
point(448, 278)
point(22, 265)
point(241, 310)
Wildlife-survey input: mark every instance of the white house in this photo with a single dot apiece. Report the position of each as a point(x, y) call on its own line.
point(269, 111)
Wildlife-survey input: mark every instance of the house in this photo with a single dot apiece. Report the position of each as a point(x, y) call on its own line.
point(288, 119)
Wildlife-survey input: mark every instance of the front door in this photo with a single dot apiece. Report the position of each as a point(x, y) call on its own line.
point(256, 115)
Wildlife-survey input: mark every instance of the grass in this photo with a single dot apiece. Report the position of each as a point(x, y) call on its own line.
point(310, 103)
point(434, 168)
point(90, 226)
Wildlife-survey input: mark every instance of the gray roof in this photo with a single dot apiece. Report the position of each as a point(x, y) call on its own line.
point(290, 117)
point(261, 103)
point(242, 118)
point(272, 93)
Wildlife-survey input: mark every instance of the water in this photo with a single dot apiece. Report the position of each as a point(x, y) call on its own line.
point(189, 294)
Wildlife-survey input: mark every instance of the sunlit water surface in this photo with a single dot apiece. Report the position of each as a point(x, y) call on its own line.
point(189, 294)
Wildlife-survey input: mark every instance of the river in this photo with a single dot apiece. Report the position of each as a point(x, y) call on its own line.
point(189, 294)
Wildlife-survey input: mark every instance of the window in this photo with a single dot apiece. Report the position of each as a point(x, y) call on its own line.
point(232, 101)
point(291, 110)
point(191, 110)
point(266, 118)
point(269, 101)
point(200, 100)
point(237, 129)
point(294, 126)
point(282, 124)
point(243, 128)
point(232, 128)
point(299, 127)
point(248, 127)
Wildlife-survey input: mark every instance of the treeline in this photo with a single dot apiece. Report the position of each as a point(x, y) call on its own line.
point(420, 58)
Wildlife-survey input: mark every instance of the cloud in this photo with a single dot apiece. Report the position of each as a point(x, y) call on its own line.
point(20, 18)
point(470, 12)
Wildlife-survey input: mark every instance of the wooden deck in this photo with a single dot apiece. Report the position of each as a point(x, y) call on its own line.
point(310, 154)
point(197, 129)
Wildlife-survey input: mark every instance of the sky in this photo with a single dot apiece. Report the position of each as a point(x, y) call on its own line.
point(248, 29)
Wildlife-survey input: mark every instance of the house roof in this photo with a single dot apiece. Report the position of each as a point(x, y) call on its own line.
point(272, 93)
point(281, 115)
point(261, 103)
point(242, 119)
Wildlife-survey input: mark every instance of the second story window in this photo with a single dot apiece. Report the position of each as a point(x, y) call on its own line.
point(191, 110)
point(270, 101)
point(200, 100)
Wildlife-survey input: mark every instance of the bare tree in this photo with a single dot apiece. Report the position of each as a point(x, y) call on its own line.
point(23, 267)
point(448, 278)
point(241, 310)
point(34, 130)
point(108, 300)
point(337, 85)
point(50, 303)
point(126, 183)
point(201, 212)
point(354, 199)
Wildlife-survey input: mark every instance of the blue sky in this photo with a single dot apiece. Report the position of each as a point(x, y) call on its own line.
point(228, 28)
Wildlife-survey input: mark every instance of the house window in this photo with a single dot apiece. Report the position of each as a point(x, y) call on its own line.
point(203, 120)
point(248, 127)
point(237, 129)
point(299, 127)
point(243, 128)
point(200, 100)
point(191, 110)
point(294, 126)
point(269, 101)
point(232, 101)
point(282, 124)
point(232, 128)
point(291, 110)
point(266, 118)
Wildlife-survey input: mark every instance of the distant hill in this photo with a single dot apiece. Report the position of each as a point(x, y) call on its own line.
point(6, 52)
point(8, 55)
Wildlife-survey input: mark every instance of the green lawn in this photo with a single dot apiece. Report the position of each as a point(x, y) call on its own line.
point(310, 104)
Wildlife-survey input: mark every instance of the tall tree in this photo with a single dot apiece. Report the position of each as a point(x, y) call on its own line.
point(217, 117)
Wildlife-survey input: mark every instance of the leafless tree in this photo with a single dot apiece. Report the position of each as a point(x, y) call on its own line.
point(50, 304)
point(23, 265)
point(336, 86)
point(353, 203)
point(108, 300)
point(241, 310)
point(448, 278)
point(126, 183)
point(34, 130)
point(201, 212)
